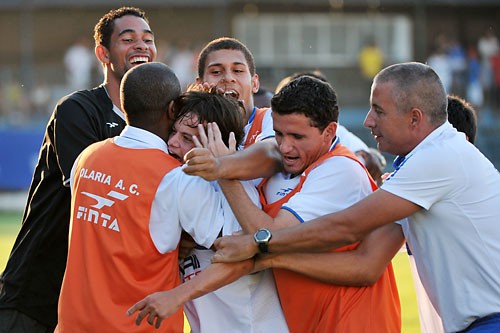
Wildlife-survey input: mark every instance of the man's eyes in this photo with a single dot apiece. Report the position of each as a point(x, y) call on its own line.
point(187, 138)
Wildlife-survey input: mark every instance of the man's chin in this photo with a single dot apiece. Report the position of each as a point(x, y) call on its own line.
point(293, 171)
point(180, 159)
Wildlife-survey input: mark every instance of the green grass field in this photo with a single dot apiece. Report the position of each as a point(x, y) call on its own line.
point(10, 224)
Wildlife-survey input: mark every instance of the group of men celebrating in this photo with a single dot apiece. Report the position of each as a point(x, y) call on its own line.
point(304, 204)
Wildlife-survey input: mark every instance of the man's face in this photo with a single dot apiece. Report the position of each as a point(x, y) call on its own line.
point(132, 43)
point(228, 70)
point(300, 143)
point(181, 138)
point(389, 126)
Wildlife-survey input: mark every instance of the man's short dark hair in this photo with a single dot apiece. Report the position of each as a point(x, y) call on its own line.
point(210, 107)
point(309, 96)
point(146, 92)
point(224, 43)
point(104, 28)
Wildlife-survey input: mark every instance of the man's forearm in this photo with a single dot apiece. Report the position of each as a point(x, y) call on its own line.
point(215, 276)
point(163, 304)
point(326, 232)
point(249, 216)
point(361, 266)
point(262, 159)
point(344, 227)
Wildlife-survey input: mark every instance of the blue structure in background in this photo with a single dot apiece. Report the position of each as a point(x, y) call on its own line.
point(18, 157)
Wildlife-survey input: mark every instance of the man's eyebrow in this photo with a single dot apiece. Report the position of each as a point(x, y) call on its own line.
point(125, 31)
point(220, 64)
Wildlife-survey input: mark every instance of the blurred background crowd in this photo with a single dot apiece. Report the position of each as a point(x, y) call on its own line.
point(49, 53)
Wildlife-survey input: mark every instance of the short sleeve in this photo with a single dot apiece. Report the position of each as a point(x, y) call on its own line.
point(423, 179)
point(187, 203)
point(200, 209)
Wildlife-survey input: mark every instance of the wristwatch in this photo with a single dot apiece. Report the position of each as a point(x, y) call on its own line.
point(262, 238)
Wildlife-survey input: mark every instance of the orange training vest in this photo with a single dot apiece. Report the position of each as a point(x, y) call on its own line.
point(313, 306)
point(112, 261)
point(256, 127)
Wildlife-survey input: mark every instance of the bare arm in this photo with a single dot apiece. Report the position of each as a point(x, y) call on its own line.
point(327, 232)
point(249, 216)
point(360, 267)
point(160, 305)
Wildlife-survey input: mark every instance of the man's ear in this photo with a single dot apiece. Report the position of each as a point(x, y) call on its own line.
point(255, 84)
point(170, 111)
point(102, 54)
point(416, 116)
point(330, 131)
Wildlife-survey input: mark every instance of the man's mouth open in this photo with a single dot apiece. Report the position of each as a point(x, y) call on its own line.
point(137, 60)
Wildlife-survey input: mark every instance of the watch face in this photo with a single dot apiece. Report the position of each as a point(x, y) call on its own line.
point(262, 235)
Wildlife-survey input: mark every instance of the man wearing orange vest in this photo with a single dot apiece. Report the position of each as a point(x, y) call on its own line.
point(128, 211)
point(320, 176)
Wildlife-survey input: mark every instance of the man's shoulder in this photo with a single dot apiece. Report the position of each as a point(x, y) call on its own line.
point(93, 99)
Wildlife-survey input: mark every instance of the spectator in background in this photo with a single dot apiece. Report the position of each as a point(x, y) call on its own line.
point(262, 98)
point(487, 46)
point(79, 62)
point(41, 96)
point(458, 63)
point(440, 62)
point(495, 67)
point(474, 92)
point(371, 59)
point(183, 63)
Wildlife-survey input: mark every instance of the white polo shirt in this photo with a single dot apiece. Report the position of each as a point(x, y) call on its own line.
point(455, 238)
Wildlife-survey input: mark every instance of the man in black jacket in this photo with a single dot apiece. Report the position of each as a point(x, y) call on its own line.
point(32, 278)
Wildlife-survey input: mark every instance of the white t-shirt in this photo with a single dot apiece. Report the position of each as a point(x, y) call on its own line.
point(455, 238)
point(250, 304)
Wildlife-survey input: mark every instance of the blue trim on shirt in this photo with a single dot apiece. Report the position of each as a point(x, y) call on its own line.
point(267, 137)
point(399, 161)
point(334, 143)
point(294, 213)
point(252, 116)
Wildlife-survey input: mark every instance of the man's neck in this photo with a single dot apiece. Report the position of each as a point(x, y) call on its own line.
point(248, 113)
point(113, 90)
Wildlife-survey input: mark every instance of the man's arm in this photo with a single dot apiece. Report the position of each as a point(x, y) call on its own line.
point(326, 232)
point(362, 266)
point(249, 216)
point(163, 304)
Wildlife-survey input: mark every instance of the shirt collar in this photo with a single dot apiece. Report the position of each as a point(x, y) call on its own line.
point(252, 116)
point(400, 160)
point(140, 138)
